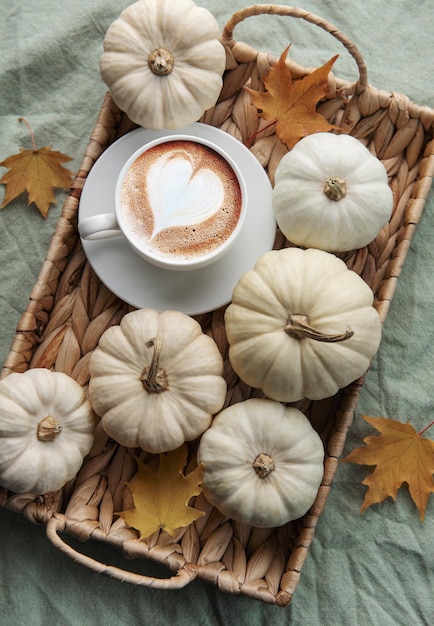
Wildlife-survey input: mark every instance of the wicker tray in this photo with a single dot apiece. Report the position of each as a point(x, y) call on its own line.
point(69, 309)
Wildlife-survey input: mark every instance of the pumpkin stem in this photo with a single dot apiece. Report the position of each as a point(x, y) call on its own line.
point(48, 429)
point(263, 465)
point(298, 327)
point(161, 62)
point(154, 378)
point(335, 188)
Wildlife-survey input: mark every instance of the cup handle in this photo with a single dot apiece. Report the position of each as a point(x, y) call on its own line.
point(102, 226)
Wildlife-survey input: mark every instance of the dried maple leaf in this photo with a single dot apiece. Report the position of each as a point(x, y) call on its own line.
point(161, 498)
point(401, 455)
point(36, 171)
point(291, 105)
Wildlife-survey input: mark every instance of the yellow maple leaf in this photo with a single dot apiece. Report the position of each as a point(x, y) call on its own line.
point(36, 171)
point(400, 455)
point(161, 498)
point(291, 105)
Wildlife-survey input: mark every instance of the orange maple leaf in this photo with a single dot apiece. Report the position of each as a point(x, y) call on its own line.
point(291, 105)
point(161, 498)
point(36, 171)
point(400, 455)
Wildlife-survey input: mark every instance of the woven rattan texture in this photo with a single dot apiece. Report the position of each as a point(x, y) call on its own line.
point(69, 309)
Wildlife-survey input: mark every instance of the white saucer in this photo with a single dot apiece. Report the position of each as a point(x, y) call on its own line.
point(195, 291)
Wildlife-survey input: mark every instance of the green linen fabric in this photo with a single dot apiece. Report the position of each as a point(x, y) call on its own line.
point(371, 569)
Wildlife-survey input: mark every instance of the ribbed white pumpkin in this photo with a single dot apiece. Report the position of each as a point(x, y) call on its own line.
point(263, 463)
point(331, 193)
point(163, 62)
point(156, 380)
point(46, 428)
point(301, 324)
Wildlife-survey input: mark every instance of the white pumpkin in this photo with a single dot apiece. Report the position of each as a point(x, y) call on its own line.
point(301, 324)
point(156, 380)
point(331, 193)
point(163, 62)
point(263, 463)
point(46, 428)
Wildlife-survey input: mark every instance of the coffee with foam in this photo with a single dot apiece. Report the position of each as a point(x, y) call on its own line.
point(181, 199)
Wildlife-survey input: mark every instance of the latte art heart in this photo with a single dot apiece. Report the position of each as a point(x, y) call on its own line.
point(180, 200)
point(180, 194)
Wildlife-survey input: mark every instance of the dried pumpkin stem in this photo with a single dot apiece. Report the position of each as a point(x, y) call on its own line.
point(263, 465)
point(335, 188)
point(298, 327)
point(48, 429)
point(161, 62)
point(154, 378)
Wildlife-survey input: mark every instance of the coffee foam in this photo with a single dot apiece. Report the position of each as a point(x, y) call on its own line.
point(195, 215)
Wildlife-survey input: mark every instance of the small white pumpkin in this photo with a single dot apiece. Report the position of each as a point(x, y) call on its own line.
point(301, 324)
point(331, 193)
point(163, 62)
point(263, 463)
point(156, 380)
point(46, 429)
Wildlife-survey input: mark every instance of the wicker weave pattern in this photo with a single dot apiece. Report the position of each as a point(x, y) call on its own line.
point(69, 309)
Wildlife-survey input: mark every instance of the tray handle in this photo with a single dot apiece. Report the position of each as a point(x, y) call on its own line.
point(181, 579)
point(278, 9)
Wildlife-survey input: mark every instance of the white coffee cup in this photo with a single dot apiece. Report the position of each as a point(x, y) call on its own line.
point(180, 202)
